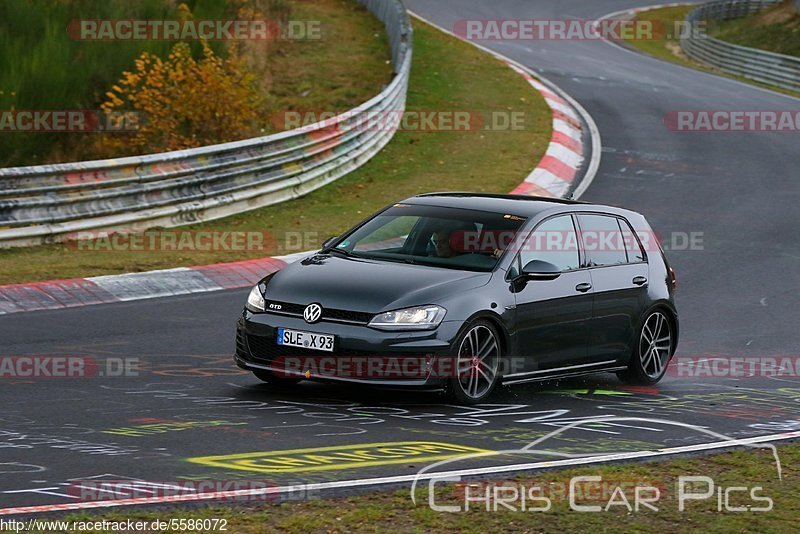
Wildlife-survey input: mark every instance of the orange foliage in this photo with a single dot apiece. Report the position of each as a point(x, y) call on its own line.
point(185, 102)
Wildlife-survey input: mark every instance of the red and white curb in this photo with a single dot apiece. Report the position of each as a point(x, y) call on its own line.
point(76, 292)
point(555, 176)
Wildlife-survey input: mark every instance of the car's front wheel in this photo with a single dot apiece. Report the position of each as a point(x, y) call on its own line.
point(275, 380)
point(651, 355)
point(477, 353)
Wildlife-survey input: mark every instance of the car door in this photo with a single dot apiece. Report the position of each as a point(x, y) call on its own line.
point(618, 269)
point(552, 316)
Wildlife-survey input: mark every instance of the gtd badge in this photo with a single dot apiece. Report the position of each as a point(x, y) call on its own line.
point(312, 313)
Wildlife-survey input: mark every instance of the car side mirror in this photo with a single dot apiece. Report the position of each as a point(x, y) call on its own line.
point(330, 241)
point(540, 270)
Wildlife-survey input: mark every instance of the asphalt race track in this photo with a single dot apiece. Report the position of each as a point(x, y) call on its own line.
point(189, 402)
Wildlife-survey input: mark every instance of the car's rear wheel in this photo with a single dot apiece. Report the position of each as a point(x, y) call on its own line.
point(478, 354)
point(652, 353)
point(274, 380)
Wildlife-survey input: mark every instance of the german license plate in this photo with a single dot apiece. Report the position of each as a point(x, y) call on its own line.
point(305, 340)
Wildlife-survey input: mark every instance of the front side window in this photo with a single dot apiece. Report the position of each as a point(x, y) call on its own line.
point(554, 241)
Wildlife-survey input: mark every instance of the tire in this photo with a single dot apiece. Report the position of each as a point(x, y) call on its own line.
point(478, 353)
point(652, 352)
point(274, 380)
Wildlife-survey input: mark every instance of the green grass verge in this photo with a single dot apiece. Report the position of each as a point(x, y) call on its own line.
point(776, 29)
point(393, 511)
point(667, 46)
point(348, 66)
point(447, 74)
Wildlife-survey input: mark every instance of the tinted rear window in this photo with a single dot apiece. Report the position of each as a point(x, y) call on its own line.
point(602, 240)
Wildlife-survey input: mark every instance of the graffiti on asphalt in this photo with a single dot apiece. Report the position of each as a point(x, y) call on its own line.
point(21, 440)
point(155, 426)
point(338, 457)
point(751, 405)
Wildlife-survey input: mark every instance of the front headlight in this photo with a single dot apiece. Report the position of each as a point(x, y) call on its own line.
point(416, 318)
point(255, 300)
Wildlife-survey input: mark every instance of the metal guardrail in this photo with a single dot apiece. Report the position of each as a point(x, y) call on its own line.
point(44, 203)
point(760, 65)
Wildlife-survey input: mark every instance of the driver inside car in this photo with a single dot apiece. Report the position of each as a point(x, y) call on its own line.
point(442, 246)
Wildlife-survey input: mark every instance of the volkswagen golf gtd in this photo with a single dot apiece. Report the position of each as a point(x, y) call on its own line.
point(461, 292)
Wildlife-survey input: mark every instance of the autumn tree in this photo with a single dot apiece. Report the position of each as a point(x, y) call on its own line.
point(186, 102)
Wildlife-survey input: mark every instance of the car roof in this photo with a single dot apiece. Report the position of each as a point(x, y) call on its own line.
point(523, 205)
point(527, 206)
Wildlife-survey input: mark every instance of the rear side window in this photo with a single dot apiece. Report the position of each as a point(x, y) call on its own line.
point(632, 246)
point(603, 240)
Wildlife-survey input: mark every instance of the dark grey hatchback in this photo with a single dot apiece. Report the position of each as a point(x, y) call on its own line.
point(464, 291)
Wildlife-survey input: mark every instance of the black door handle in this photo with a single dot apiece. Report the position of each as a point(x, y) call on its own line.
point(640, 280)
point(583, 288)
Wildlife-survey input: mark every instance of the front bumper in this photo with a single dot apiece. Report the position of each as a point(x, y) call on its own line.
point(356, 349)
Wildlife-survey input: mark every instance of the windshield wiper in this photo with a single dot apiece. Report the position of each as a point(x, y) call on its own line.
point(343, 252)
point(410, 261)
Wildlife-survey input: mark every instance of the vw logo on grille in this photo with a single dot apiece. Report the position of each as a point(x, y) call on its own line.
point(312, 313)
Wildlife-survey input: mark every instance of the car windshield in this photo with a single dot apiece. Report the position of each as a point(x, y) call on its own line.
point(451, 238)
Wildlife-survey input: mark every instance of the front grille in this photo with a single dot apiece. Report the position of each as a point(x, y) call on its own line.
point(345, 315)
point(328, 314)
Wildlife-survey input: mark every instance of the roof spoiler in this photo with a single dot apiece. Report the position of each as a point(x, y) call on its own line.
point(568, 200)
